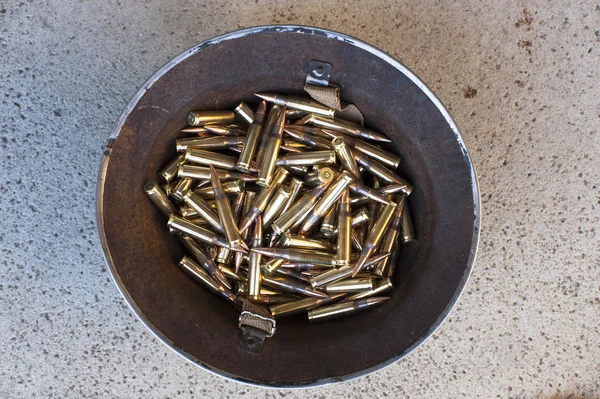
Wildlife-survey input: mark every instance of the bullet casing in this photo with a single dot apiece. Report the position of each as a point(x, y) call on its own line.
point(276, 203)
point(307, 158)
point(266, 133)
point(239, 256)
point(267, 167)
point(201, 118)
point(228, 221)
point(365, 191)
point(351, 285)
point(254, 271)
point(203, 173)
point(326, 202)
point(344, 154)
point(203, 260)
point(381, 287)
point(233, 187)
point(159, 198)
point(183, 226)
point(375, 235)
point(343, 309)
point(383, 173)
point(287, 284)
point(390, 239)
point(272, 265)
point(209, 143)
point(300, 305)
point(329, 224)
point(170, 171)
point(295, 187)
point(181, 188)
point(241, 288)
point(203, 209)
point(209, 158)
point(408, 231)
point(245, 112)
point(245, 160)
point(376, 153)
point(194, 270)
point(289, 240)
point(298, 103)
point(344, 246)
point(320, 176)
point(299, 209)
point(308, 139)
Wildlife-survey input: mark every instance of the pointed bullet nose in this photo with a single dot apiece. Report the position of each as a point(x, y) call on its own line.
point(377, 300)
point(379, 137)
point(244, 224)
point(315, 294)
point(266, 96)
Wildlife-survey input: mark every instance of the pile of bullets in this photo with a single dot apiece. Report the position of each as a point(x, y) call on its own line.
point(295, 209)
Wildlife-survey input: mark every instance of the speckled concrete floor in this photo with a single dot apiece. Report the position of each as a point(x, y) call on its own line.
point(522, 81)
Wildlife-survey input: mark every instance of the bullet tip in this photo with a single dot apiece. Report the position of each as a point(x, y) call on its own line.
point(379, 137)
point(266, 96)
point(377, 300)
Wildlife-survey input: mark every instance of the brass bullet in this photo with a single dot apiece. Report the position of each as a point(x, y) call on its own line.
point(267, 166)
point(187, 211)
point(388, 244)
point(233, 187)
point(375, 236)
point(408, 231)
point(241, 288)
point(181, 188)
point(383, 173)
point(300, 305)
point(381, 286)
point(344, 308)
point(348, 128)
point(245, 112)
point(349, 285)
point(299, 209)
point(295, 187)
point(287, 284)
point(229, 273)
point(184, 226)
point(261, 201)
point(239, 256)
point(208, 158)
point(194, 270)
point(363, 190)
point(229, 130)
point(198, 254)
point(254, 271)
point(201, 118)
point(344, 247)
point(326, 202)
point(289, 240)
point(236, 242)
point(298, 170)
point(170, 171)
point(276, 203)
point(159, 198)
point(209, 143)
point(225, 254)
point(329, 223)
point(245, 161)
point(307, 158)
point(333, 275)
point(308, 139)
point(200, 131)
point(298, 255)
point(266, 133)
point(344, 153)
point(203, 173)
point(298, 103)
point(385, 157)
point(320, 176)
point(272, 265)
point(203, 209)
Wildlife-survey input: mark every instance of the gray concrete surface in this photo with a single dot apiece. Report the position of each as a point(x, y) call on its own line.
point(528, 323)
